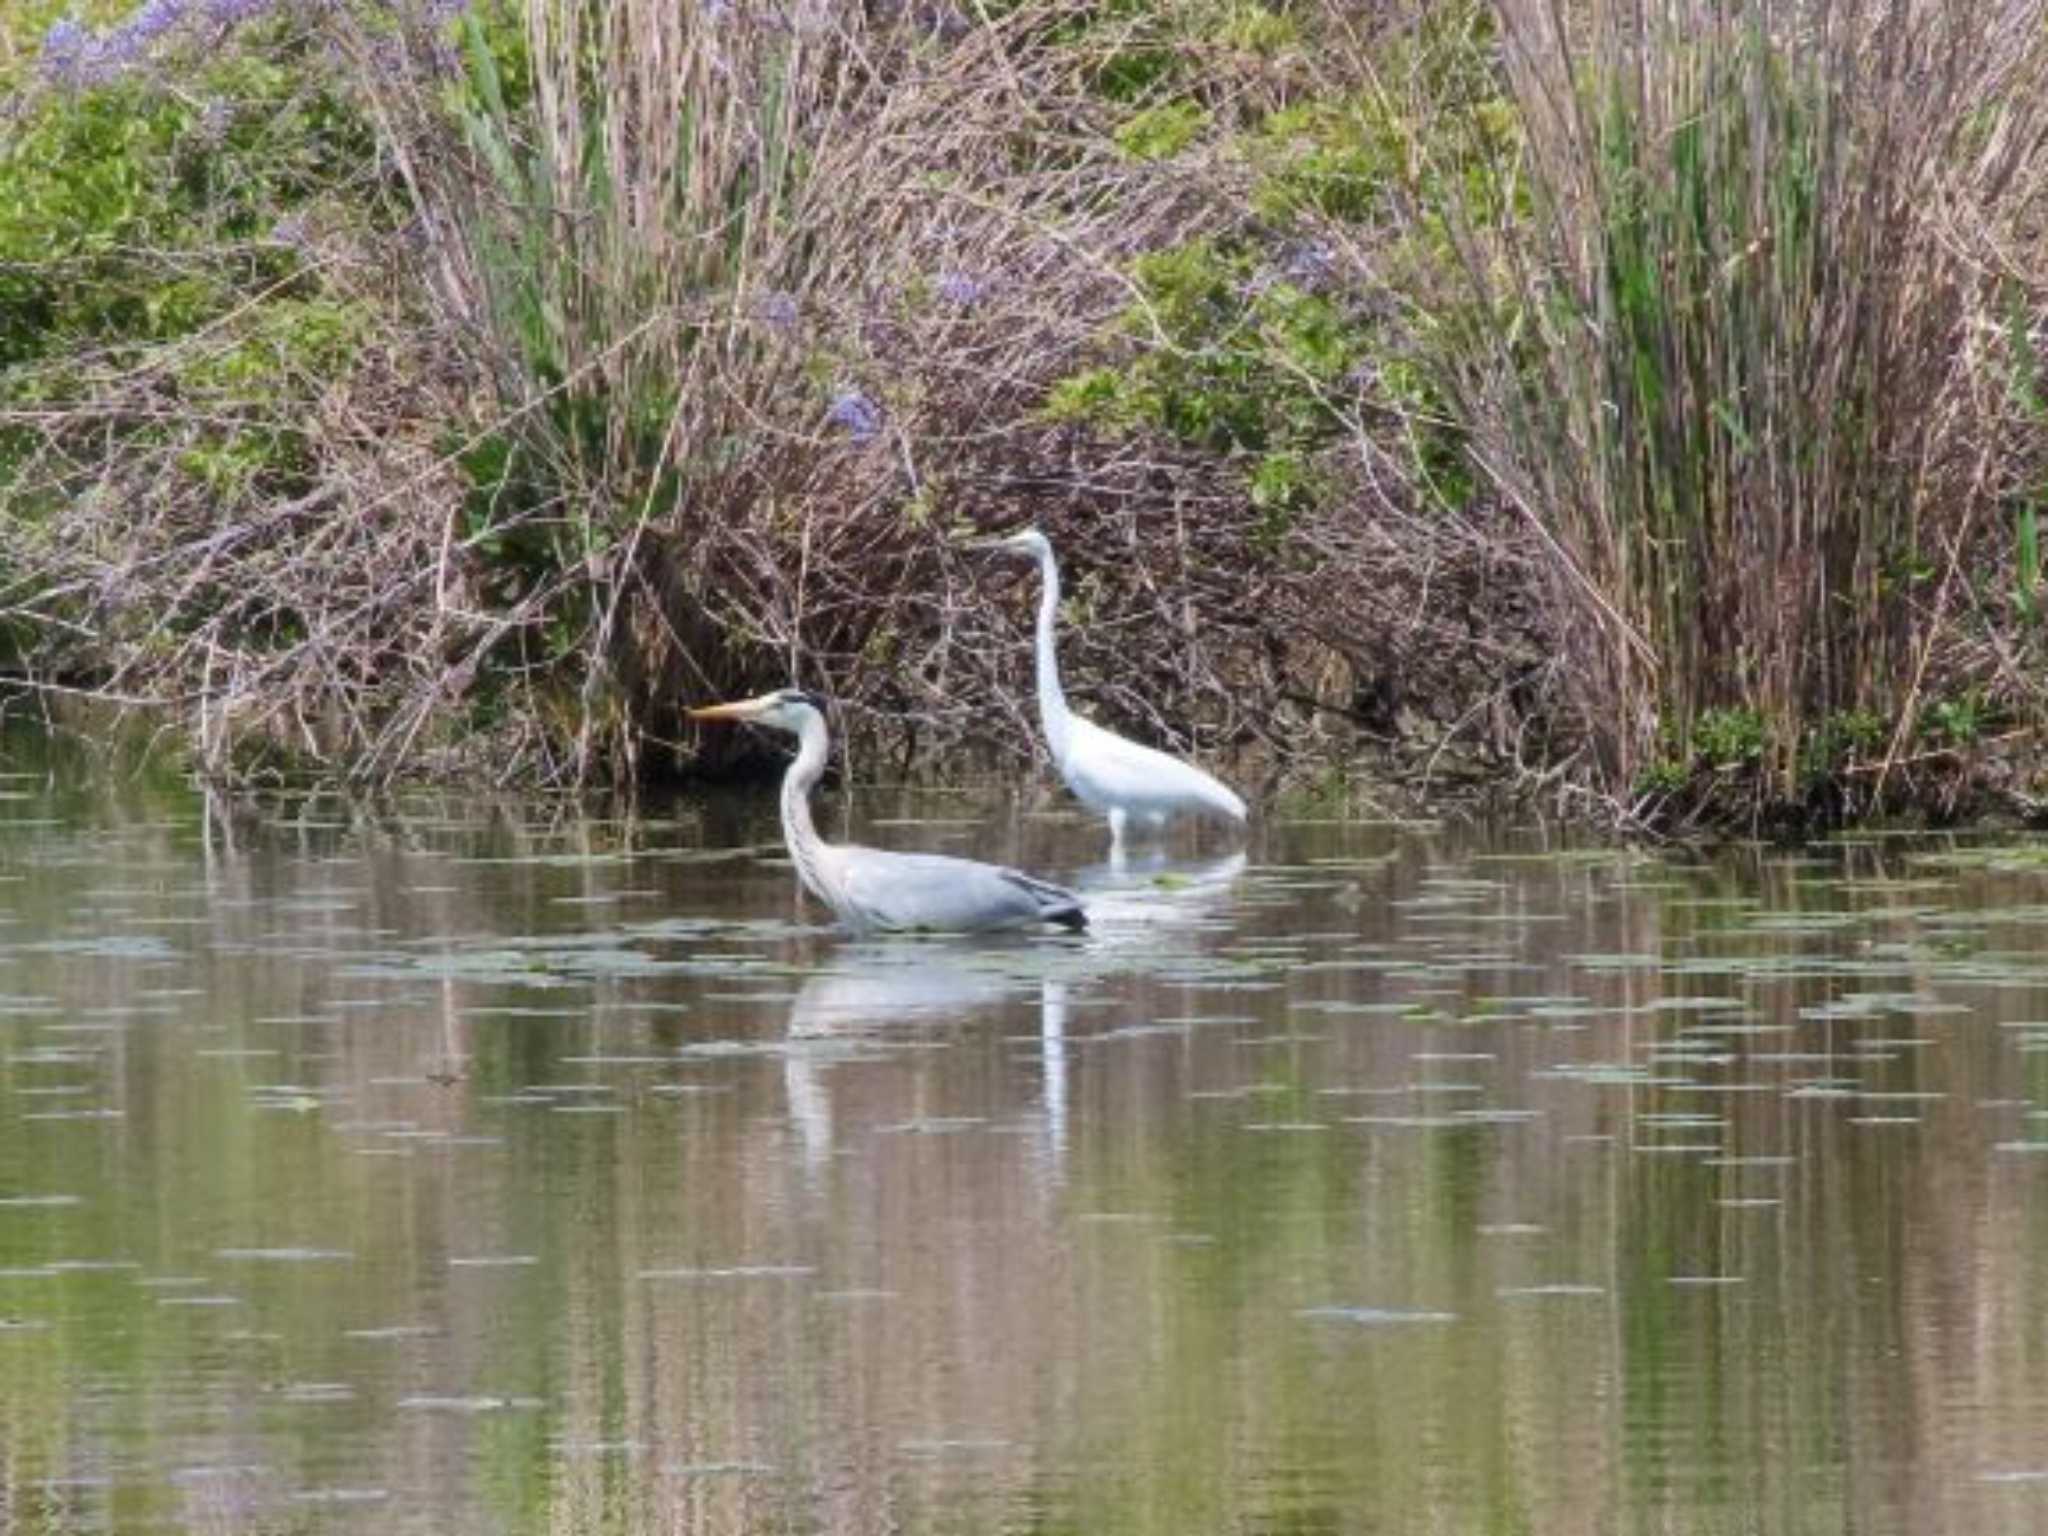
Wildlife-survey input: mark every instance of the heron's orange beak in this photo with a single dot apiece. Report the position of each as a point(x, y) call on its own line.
point(745, 709)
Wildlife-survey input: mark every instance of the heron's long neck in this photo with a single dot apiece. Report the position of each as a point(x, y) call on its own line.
point(1052, 701)
point(806, 848)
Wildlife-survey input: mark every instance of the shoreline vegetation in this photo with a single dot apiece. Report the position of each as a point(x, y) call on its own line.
point(1634, 410)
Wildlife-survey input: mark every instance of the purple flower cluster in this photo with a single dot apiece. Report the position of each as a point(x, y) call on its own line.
point(778, 309)
point(67, 51)
point(958, 288)
point(154, 19)
point(857, 414)
point(75, 56)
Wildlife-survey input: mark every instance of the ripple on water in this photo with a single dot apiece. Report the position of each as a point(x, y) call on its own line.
point(1375, 1317)
point(478, 1403)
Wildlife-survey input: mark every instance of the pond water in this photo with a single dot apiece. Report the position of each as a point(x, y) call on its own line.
point(451, 1166)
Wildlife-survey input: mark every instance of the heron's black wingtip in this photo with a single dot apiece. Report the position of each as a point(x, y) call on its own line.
point(1074, 919)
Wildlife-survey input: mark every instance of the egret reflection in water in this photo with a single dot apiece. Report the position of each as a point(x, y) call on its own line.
point(1052, 1055)
point(1131, 898)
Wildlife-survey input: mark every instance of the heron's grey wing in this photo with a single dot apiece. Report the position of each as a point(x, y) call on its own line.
point(936, 891)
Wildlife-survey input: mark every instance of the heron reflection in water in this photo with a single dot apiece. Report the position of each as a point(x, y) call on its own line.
point(1135, 899)
point(869, 995)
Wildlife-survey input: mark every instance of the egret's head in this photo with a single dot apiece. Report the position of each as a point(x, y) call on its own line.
point(786, 709)
point(1027, 541)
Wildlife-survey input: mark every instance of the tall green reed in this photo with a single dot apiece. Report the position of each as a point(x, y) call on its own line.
point(1724, 358)
point(2028, 395)
point(620, 197)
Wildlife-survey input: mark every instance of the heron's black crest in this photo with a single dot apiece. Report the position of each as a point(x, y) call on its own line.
point(799, 696)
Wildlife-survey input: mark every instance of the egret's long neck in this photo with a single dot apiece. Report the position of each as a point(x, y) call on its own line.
point(806, 849)
point(1052, 701)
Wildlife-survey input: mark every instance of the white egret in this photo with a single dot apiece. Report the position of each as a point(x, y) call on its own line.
point(872, 888)
point(1119, 778)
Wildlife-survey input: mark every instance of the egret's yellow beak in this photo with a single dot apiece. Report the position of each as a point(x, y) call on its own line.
point(745, 709)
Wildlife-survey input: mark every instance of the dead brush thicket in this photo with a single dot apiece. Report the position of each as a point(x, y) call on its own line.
point(696, 334)
point(842, 304)
point(686, 336)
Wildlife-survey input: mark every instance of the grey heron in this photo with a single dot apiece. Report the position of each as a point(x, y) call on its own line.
point(871, 889)
point(1105, 771)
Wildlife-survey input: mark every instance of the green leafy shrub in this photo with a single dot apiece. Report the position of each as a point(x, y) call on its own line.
point(1256, 29)
point(1161, 132)
point(1960, 720)
point(209, 386)
point(1663, 776)
point(1843, 739)
point(1328, 158)
point(161, 237)
point(1228, 355)
point(101, 191)
point(1725, 738)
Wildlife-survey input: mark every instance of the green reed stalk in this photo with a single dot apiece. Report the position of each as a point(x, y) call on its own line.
point(632, 177)
point(2026, 390)
point(1726, 345)
point(645, 182)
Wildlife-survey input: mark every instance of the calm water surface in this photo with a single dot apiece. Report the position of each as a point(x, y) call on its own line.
point(442, 1166)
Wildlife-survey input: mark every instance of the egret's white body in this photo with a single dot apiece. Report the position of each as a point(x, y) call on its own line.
point(871, 889)
point(1107, 773)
